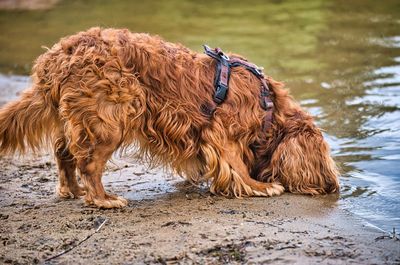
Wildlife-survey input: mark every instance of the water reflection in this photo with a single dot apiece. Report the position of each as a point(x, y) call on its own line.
point(341, 60)
point(358, 92)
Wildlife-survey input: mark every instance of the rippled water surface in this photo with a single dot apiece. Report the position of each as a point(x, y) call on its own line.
point(341, 60)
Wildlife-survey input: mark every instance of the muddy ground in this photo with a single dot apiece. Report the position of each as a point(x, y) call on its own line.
point(169, 221)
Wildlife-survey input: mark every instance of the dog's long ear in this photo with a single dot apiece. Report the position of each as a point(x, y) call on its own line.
point(296, 154)
point(303, 164)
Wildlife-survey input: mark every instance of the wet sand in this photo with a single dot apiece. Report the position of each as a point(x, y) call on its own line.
point(169, 221)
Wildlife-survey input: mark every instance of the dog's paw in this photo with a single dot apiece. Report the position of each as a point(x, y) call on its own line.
point(275, 189)
point(109, 203)
point(67, 193)
point(270, 189)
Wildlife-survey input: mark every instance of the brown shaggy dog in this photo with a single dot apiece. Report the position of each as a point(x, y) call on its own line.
point(105, 89)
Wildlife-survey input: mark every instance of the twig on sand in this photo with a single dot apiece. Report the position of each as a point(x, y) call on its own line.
point(394, 235)
point(390, 235)
point(78, 244)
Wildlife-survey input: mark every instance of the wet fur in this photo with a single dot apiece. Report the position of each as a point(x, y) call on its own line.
point(107, 89)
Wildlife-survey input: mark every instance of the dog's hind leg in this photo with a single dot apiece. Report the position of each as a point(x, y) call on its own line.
point(92, 141)
point(91, 169)
point(68, 186)
point(231, 176)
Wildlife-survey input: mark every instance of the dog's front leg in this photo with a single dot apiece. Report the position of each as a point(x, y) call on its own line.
point(230, 174)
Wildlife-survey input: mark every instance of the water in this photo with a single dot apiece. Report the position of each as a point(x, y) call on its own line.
point(341, 60)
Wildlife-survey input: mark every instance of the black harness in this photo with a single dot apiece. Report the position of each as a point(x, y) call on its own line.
point(223, 71)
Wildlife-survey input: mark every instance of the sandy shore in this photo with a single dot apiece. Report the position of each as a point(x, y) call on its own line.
point(168, 221)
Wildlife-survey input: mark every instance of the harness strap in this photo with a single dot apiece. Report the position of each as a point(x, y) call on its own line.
point(221, 81)
point(222, 75)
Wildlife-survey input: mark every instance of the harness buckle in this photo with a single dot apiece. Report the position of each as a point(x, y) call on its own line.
point(222, 54)
point(259, 71)
point(220, 93)
point(264, 92)
point(266, 103)
point(207, 48)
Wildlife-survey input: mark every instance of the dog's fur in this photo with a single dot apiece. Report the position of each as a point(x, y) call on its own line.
point(104, 89)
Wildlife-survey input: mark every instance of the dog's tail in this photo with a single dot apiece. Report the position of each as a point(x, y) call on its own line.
point(26, 123)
